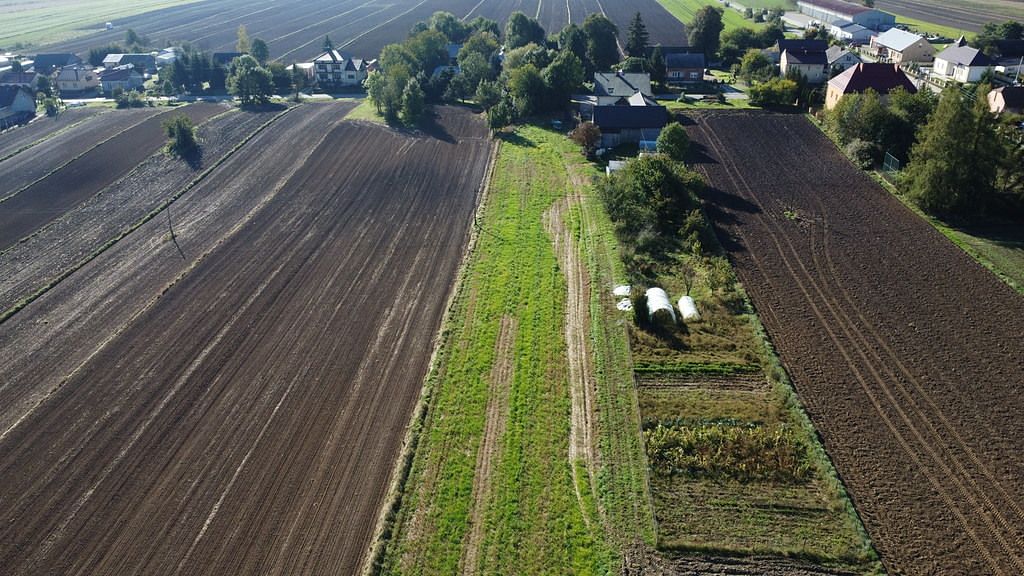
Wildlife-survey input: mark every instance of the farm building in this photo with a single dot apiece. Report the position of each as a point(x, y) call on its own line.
point(882, 78)
point(46, 64)
point(1008, 99)
point(333, 69)
point(840, 59)
point(630, 124)
point(804, 57)
point(167, 56)
point(77, 78)
point(145, 63)
point(26, 79)
point(961, 63)
point(899, 47)
point(17, 104)
point(684, 67)
point(853, 33)
point(123, 77)
point(833, 11)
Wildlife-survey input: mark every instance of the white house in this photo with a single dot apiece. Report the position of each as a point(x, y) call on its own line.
point(77, 78)
point(804, 57)
point(334, 70)
point(961, 63)
point(832, 11)
point(899, 47)
point(840, 59)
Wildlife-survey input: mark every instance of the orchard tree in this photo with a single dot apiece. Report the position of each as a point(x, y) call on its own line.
point(705, 30)
point(636, 41)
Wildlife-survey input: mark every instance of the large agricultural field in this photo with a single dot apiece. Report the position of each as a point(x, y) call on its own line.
point(226, 387)
point(357, 27)
point(967, 15)
point(904, 350)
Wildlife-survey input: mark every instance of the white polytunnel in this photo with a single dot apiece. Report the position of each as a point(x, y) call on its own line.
point(688, 308)
point(657, 301)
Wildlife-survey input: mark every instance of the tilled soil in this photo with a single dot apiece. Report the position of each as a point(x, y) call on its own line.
point(244, 417)
point(89, 172)
point(906, 352)
point(969, 17)
point(15, 139)
point(360, 28)
point(64, 243)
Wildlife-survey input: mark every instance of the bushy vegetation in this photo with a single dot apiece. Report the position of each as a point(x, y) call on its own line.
point(182, 136)
point(774, 92)
point(193, 71)
point(887, 126)
point(674, 142)
point(249, 82)
point(129, 99)
point(729, 450)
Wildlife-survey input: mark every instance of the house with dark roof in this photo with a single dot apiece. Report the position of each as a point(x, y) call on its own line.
point(1006, 99)
point(225, 58)
point(626, 124)
point(17, 105)
point(123, 77)
point(335, 71)
point(961, 63)
point(145, 63)
point(1009, 56)
point(832, 11)
point(684, 67)
point(880, 77)
point(840, 58)
point(804, 57)
point(45, 64)
point(900, 47)
point(26, 79)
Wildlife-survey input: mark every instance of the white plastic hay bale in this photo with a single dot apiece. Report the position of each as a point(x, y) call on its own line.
point(688, 309)
point(625, 305)
point(622, 291)
point(657, 301)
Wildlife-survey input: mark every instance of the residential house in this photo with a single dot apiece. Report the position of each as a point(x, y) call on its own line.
point(850, 32)
point(17, 105)
point(307, 69)
point(334, 70)
point(901, 47)
point(839, 58)
point(611, 88)
point(804, 57)
point(880, 77)
point(224, 58)
point(123, 77)
point(683, 67)
point(832, 11)
point(46, 64)
point(145, 63)
point(1009, 57)
point(1006, 99)
point(961, 63)
point(26, 79)
point(77, 78)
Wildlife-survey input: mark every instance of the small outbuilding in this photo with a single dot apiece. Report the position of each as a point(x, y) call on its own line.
point(658, 304)
point(17, 105)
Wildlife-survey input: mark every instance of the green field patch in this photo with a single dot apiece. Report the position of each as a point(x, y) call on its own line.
point(684, 11)
point(660, 405)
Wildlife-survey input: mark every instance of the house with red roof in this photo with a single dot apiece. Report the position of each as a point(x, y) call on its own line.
point(882, 78)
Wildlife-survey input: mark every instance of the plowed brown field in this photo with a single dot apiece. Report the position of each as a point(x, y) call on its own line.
point(908, 355)
point(357, 27)
point(244, 417)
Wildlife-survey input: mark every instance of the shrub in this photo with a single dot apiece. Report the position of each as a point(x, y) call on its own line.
point(674, 142)
point(182, 136)
point(862, 153)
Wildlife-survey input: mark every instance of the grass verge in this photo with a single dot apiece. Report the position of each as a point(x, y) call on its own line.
point(366, 112)
point(532, 519)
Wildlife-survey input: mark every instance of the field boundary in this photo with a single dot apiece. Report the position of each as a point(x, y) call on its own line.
point(384, 531)
point(46, 137)
point(6, 314)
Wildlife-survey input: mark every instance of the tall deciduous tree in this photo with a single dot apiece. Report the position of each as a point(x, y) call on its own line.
point(413, 102)
point(636, 40)
point(243, 45)
point(250, 82)
point(706, 29)
point(674, 142)
point(259, 50)
point(602, 41)
point(522, 30)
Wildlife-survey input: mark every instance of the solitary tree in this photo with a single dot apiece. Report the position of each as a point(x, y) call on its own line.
point(182, 137)
point(636, 41)
point(243, 44)
point(674, 142)
point(259, 50)
point(587, 135)
point(705, 29)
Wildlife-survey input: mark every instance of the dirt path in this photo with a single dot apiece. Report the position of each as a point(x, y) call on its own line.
point(490, 447)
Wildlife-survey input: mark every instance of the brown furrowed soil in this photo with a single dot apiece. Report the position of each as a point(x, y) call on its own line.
point(357, 27)
point(970, 15)
point(243, 416)
point(19, 138)
point(87, 172)
point(905, 351)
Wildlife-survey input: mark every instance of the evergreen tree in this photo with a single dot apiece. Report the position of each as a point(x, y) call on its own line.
point(656, 64)
point(328, 44)
point(260, 51)
point(636, 41)
point(412, 102)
